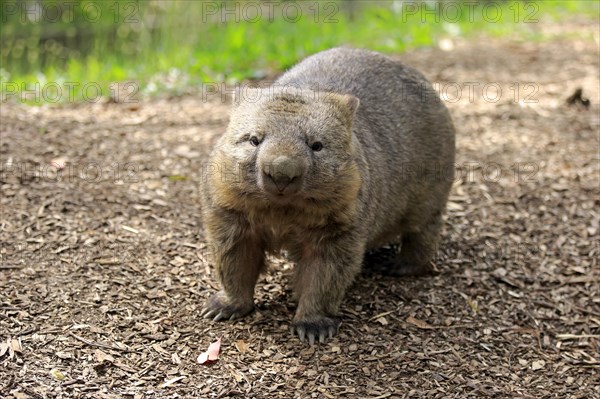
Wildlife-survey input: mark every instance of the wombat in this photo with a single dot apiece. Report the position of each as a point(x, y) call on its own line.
point(348, 151)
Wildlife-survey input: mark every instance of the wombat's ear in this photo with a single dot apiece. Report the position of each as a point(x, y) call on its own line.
point(245, 94)
point(346, 104)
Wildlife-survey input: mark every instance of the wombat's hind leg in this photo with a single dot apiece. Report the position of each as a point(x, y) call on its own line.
point(414, 256)
point(418, 248)
point(380, 260)
point(395, 262)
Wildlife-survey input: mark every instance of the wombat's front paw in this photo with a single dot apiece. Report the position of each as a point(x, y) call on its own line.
point(321, 328)
point(219, 307)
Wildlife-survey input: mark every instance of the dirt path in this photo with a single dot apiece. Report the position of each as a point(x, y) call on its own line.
point(103, 267)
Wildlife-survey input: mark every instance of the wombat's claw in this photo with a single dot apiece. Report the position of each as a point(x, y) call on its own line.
point(206, 313)
point(322, 329)
point(217, 308)
point(221, 316)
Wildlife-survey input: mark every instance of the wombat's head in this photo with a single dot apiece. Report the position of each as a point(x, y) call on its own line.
point(288, 148)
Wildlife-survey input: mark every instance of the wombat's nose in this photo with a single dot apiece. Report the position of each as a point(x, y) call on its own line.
point(282, 171)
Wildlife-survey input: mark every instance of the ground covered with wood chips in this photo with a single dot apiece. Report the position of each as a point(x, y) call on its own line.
point(104, 267)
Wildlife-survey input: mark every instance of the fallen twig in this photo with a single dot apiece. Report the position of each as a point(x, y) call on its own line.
point(575, 336)
point(99, 345)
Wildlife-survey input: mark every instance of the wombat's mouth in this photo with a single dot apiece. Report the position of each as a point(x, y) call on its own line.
point(280, 189)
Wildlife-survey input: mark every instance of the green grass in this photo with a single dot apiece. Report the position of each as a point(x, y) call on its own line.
point(175, 46)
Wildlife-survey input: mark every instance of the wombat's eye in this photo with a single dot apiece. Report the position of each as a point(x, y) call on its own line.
point(254, 141)
point(317, 146)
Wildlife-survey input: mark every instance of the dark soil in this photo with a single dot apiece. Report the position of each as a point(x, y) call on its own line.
point(103, 263)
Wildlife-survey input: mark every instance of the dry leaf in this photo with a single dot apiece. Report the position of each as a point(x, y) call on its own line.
point(238, 377)
point(57, 374)
point(473, 305)
point(64, 355)
point(96, 330)
point(241, 346)
point(3, 348)
point(123, 366)
point(419, 323)
point(212, 353)
point(537, 365)
point(172, 381)
point(453, 206)
point(101, 357)
point(160, 349)
point(130, 229)
point(14, 346)
point(179, 261)
point(59, 163)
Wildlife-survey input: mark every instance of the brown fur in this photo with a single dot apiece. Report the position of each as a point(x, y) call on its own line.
point(327, 207)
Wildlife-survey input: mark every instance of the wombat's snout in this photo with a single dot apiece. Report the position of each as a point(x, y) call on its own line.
point(282, 175)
